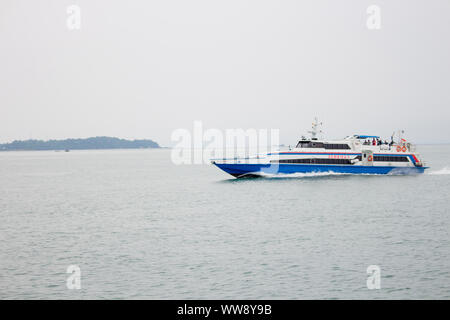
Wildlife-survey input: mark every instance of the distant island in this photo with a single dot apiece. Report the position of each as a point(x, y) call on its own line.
point(78, 144)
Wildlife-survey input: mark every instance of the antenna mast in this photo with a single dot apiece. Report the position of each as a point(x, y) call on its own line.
point(400, 136)
point(315, 129)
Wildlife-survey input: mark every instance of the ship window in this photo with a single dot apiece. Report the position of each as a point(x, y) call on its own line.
point(391, 158)
point(314, 161)
point(310, 144)
point(335, 146)
point(315, 145)
point(303, 144)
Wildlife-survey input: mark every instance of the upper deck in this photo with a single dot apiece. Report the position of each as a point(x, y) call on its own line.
point(352, 144)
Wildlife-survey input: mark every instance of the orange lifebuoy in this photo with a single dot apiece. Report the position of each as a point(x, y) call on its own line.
point(404, 149)
point(369, 158)
point(399, 148)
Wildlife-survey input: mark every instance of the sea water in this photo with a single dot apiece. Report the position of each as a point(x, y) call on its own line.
point(137, 226)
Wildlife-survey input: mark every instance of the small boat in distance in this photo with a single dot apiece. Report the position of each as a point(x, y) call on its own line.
point(355, 154)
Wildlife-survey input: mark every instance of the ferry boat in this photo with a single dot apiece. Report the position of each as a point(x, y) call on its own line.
point(355, 154)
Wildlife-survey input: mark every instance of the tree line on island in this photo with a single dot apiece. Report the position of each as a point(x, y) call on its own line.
point(78, 144)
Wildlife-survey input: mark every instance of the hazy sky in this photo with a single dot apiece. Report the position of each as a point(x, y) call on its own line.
point(140, 69)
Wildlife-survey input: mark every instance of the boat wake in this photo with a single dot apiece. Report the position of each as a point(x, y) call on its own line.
point(298, 175)
point(395, 172)
point(443, 171)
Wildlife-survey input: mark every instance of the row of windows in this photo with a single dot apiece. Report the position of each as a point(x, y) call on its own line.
point(313, 144)
point(342, 161)
point(315, 161)
point(309, 144)
point(388, 158)
point(336, 146)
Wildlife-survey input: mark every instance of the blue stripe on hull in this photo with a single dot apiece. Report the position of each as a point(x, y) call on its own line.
point(245, 169)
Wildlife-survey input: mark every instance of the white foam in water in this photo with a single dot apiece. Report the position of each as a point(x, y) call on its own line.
point(440, 172)
point(300, 175)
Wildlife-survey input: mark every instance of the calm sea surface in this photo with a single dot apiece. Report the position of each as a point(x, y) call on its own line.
point(140, 227)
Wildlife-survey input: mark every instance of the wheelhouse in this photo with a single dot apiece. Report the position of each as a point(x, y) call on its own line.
point(317, 144)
